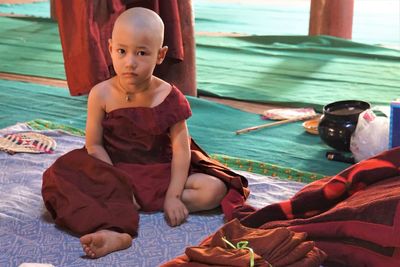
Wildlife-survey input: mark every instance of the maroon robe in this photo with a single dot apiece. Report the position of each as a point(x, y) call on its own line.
point(85, 194)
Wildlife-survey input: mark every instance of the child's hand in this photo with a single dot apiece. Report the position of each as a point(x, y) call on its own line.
point(137, 206)
point(175, 211)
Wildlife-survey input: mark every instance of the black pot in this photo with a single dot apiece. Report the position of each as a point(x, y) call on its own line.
point(339, 121)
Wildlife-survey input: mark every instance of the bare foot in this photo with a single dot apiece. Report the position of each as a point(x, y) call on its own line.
point(101, 243)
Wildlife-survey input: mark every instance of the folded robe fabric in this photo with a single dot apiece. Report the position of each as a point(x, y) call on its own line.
point(272, 247)
point(353, 216)
point(79, 187)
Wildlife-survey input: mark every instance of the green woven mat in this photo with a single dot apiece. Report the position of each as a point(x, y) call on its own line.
point(40, 124)
point(267, 169)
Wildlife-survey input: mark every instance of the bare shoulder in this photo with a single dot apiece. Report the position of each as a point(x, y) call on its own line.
point(101, 93)
point(162, 88)
point(101, 89)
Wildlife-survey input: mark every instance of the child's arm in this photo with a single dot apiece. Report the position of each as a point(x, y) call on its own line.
point(174, 209)
point(94, 129)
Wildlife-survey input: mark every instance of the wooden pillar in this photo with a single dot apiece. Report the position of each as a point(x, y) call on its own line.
point(53, 15)
point(189, 45)
point(183, 74)
point(331, 17)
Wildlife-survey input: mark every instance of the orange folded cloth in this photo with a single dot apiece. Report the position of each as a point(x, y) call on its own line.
point(265, 247)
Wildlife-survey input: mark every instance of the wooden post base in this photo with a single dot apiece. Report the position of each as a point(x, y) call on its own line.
point(331, 17)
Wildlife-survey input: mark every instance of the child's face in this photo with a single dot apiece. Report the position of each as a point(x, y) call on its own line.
point(135, 52)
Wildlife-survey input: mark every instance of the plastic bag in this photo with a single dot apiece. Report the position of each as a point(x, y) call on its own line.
point(370, 137)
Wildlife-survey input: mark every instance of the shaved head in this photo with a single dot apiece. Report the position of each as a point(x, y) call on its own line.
point(143, 19)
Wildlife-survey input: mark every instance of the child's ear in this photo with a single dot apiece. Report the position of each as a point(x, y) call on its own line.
point(161, 54)
point(109, 46)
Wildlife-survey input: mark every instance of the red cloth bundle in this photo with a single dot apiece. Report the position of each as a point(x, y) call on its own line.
point(353, 216)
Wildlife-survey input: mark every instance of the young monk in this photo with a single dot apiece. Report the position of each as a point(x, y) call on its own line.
point(138, 154)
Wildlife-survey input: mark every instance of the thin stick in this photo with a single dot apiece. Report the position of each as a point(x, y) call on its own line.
point(254, 128)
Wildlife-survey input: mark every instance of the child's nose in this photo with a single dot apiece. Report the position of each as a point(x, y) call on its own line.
point(131, 62)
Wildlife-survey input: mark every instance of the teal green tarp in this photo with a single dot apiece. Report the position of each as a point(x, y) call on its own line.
point(290, 70)
point(212, 125)
point(297, 70)
point(374, 22)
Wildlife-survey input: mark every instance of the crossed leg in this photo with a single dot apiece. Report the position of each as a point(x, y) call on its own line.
point(202, 192)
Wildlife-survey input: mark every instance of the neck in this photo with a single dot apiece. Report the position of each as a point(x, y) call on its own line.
point(129, 94)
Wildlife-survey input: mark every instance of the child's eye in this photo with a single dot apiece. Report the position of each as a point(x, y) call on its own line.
point(140, 53)
point(121, 51)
